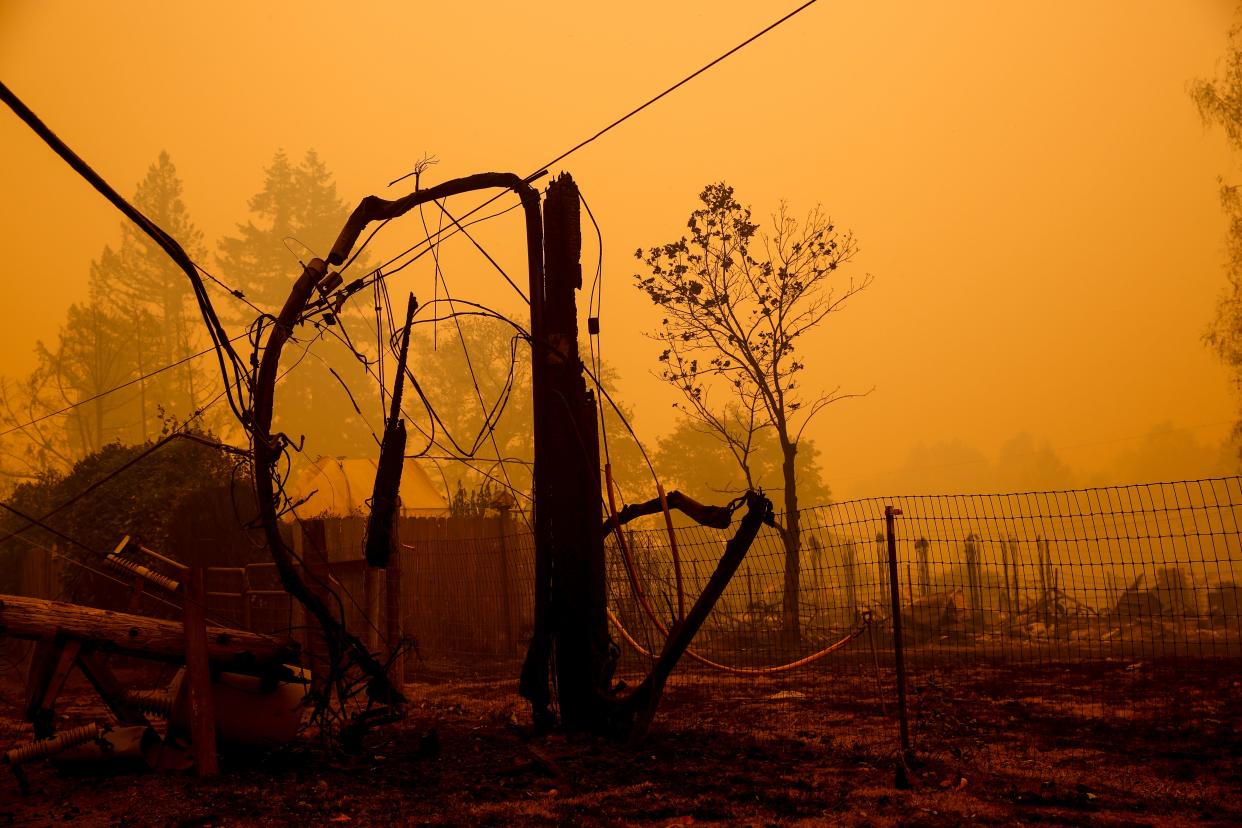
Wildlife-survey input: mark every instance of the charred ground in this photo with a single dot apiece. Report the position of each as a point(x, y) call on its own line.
point(793, 753)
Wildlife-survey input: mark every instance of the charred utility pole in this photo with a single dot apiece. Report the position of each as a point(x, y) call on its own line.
point(571, 634)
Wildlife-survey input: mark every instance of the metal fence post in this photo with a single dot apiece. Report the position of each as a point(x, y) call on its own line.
point(898, 651)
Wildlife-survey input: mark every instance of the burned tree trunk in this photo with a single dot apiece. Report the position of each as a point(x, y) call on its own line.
point(571, 633)
point(791, 627)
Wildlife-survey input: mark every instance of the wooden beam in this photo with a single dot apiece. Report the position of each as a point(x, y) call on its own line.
point(137, 635)
point(46, 683)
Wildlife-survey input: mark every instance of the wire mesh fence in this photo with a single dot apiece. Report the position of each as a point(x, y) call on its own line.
point(1124, 572)
point(1096, 603)
point(1117, 603)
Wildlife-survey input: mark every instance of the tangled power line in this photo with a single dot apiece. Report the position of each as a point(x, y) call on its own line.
point(241, 376)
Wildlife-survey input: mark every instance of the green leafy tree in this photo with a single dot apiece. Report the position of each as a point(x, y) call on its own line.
point(140, 287)
point(736, 303)
point(295, 217)
point(106, 502)
point(695, 459)
point(1220, 104)
point(97, 351)
point(329, 394)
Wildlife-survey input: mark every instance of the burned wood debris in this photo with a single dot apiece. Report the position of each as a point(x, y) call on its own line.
point(236, 686)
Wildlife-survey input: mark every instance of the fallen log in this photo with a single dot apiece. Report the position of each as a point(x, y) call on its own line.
point(137, 635)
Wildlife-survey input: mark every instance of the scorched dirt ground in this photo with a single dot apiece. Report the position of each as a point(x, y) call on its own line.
point(993, 747)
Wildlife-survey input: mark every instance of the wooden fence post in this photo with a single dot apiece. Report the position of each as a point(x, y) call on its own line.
point(974, 584)
point(506, 580)
point(1041, 547)
point(371, 589)
point(922, 551)
point(849, 557)
point(314, 556)
point(198, 677)
point(393, 596)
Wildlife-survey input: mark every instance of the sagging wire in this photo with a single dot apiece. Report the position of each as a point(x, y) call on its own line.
point(595, 303)
point(434, 416)
point(48, 415)
point(483, 251)
point(379, 356)
point(387, 269)
point(465, 348)
point(233, 371)
point(436, 422)
point(491, 417)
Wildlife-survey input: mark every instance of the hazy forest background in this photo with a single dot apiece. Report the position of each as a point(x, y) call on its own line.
point(139, 316)
point(992, 364)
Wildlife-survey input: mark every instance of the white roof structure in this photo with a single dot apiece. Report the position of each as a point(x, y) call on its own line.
point(340, 487)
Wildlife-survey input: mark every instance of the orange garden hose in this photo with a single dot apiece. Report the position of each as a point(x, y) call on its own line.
point(743, 671)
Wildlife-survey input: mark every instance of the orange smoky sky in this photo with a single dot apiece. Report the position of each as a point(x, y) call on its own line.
point(1030, 183)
